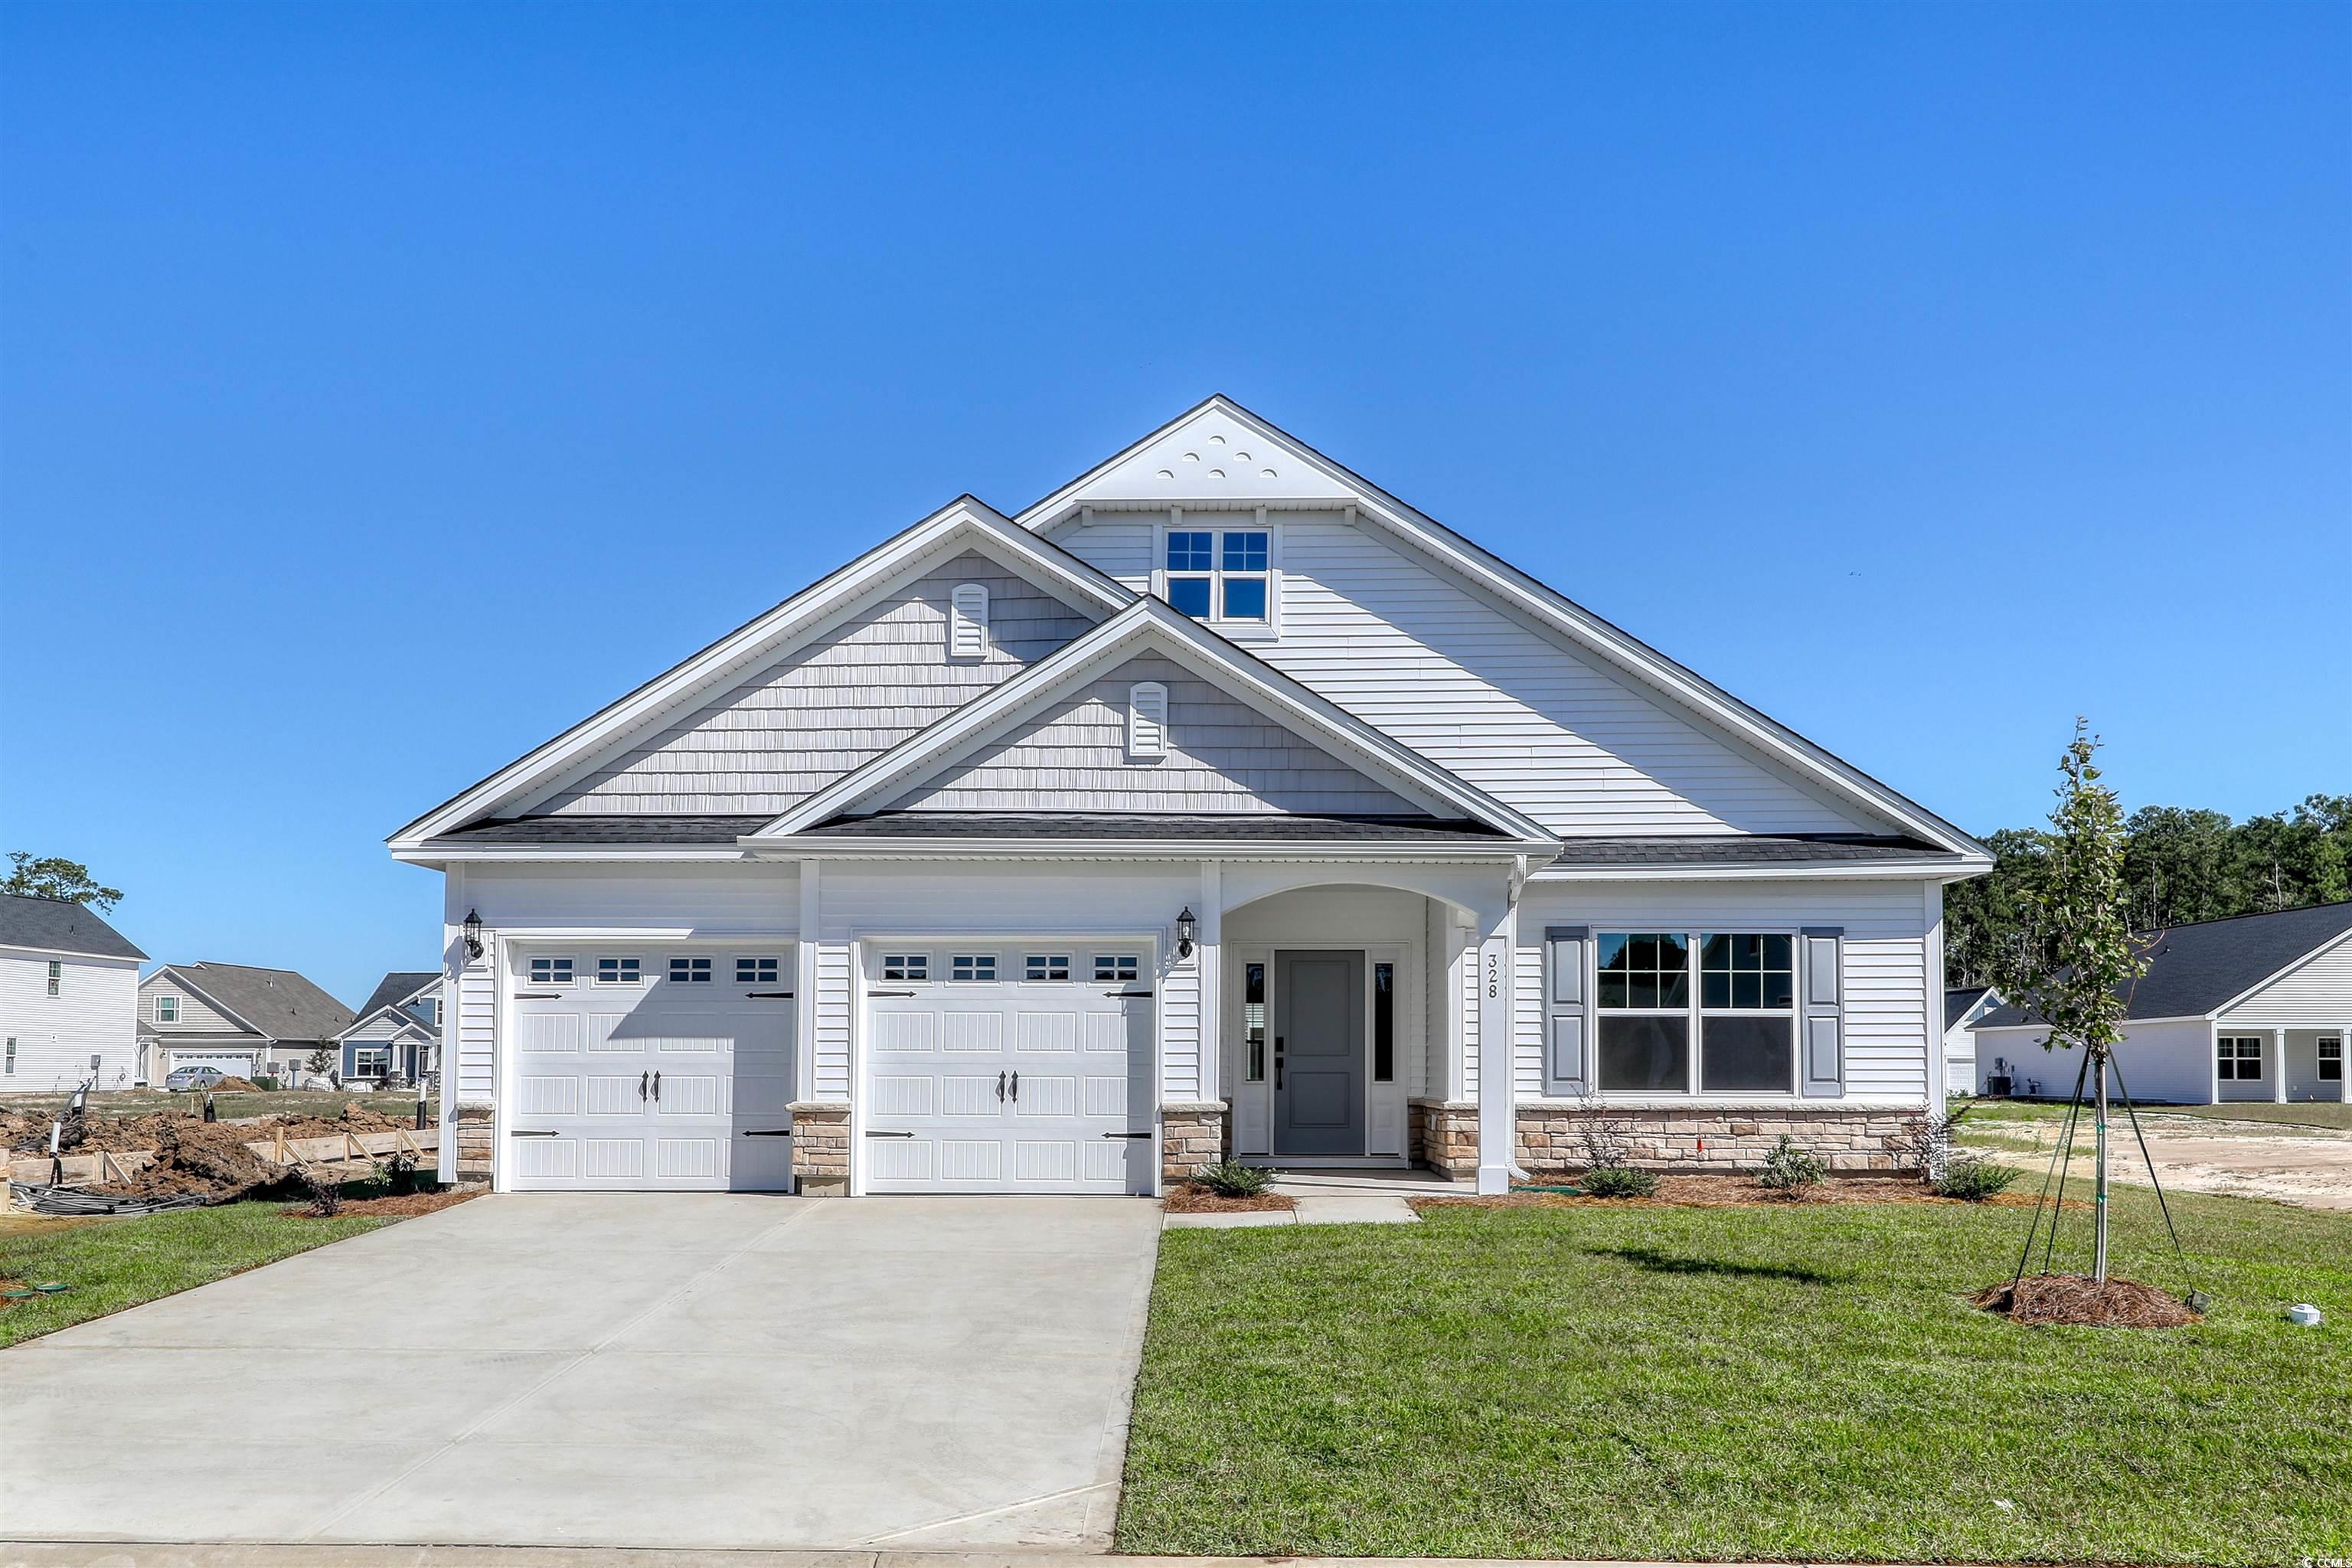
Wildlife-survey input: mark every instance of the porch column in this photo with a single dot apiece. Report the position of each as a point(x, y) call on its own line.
point(1209, 954)
point(1498, 1126)
point(2278, 1087)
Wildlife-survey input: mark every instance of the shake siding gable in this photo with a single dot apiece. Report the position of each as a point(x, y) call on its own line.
point(1401, 644)
point(1222, 755)
point(771, 739)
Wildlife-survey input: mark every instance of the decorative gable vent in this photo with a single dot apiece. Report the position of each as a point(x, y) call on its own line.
point(968, 621)
point(1147, 719)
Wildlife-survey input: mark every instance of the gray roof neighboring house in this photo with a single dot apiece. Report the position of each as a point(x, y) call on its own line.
point(396, 987)
point(1958, 999)
point(277, 1003)
point(53, 925)
point(2194, 969)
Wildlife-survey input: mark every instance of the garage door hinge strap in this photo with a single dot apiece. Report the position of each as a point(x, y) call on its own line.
point(872, 1133)
point(518, 1132)
point(1127, 1134)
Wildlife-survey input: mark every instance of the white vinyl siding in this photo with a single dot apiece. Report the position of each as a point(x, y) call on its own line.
point(1403, 645)
point(197, 1016)
point(94, 1013)
point(1884, 964)
point(1220, 755)
point(2316, 995)
point(2162, 1062)
point(770, 740)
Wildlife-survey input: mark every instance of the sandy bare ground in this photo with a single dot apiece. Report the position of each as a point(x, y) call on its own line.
point(2310, 1166)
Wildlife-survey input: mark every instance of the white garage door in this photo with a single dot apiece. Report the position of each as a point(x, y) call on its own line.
point(636, 1069)
point(237, 1064)
point(1026, 1069)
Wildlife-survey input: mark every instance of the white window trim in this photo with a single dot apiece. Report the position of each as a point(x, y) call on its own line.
point(2238, 1060)
point(570, 977)
point(1218, 523)
point(160, 1003)
point(1147, 722)
point(1693, 1076)
point(968, 623)
point(360, 1055)
point(620, 980)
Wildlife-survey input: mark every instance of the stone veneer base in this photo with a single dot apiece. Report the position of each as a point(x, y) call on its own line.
point(1192, 1138)
point(820, 1149)
point(1445, 1134)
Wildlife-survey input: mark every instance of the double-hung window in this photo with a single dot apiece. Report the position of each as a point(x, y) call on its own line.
point(57, 974)
point(2331, 1059)
point(167, 1009)
point(2238, 1059)
point(371, 1061)
point(1728, 1028)
point(1222, 575)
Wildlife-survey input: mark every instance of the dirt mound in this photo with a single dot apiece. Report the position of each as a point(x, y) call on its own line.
point(196, 1157)
point(360, 1119)
point(2076, 1298)
point(235, 1084)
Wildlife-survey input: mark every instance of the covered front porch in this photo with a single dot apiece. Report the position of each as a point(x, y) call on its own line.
point(2278, 1064)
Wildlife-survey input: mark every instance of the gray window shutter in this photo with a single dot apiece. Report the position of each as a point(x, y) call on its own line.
point(1566, 1029)
point(1822, 1015)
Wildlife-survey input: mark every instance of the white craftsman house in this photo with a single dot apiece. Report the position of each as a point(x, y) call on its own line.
point(246, 1021)
point(398, 1032)
point(68, 997)
point(1217, 802)
point(2258, 1007)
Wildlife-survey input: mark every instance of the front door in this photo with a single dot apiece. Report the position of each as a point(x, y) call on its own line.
point(1318, 1053)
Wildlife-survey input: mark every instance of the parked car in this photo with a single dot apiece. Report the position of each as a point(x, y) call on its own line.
point(184, 1079)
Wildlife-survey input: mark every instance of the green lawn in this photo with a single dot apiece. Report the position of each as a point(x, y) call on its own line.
point(1748, 1383)
point(111, 1264)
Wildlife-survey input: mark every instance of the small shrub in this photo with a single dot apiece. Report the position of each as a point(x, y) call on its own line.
point(1231, 1179)
point(1618, 1181)
point(1792, 1171)
point(1975, 1180)
point(400, 1173)
point(326, 1193)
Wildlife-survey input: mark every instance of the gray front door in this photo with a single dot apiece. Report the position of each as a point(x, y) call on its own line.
point(1318, 1053)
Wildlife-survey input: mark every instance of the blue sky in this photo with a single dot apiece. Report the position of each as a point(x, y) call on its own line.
point(384, 389)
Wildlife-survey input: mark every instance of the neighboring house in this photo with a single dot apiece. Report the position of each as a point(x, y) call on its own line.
point(68, 997)
point(398, 1032)
point(243, 1020)
point(1963, 1006)
point(1218, 801)
point(2252, 1008)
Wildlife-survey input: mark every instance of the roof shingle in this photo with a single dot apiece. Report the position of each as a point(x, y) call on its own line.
point(54, 925)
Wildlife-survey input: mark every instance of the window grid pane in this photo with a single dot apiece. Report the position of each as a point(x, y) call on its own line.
point(756, 971)
point(1244, 598)
point(1644, 971)
point(1245, 551)
point(1189, 551)
point(1114, 965)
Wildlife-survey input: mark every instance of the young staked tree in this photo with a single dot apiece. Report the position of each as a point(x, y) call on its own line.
point(2077, 960)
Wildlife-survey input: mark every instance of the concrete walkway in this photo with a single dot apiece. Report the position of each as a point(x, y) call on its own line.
point(1332, 1197)
point(654, 1370)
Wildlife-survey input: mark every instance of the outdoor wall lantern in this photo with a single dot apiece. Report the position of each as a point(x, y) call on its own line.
point(1185, 928)
point(473, 933)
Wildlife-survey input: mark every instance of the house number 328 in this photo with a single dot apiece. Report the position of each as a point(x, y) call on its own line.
point(1493, 975)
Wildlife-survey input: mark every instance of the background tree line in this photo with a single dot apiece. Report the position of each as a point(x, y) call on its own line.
point(2179, 866)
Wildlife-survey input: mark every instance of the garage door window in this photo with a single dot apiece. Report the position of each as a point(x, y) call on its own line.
point(619, 972)
point(906, 966)
point(1114, 965)
point(1046, 966)
point(756, 971)
point(971, 966)
point(689, 970)
point(550, 971)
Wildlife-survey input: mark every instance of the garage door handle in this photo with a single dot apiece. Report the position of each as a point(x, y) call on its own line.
point(641, 1083)
point(871, 1132)
point(1000, 1089)
point(518, 1132)
point(770, 995)
point(1127, 1134)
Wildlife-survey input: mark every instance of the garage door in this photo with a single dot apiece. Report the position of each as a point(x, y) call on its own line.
point(637, 1068)
point(1025, 1068)
point(239, 1064)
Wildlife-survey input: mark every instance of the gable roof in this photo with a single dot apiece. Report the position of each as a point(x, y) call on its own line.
point(398, 986)
point(1960, 999)
point(277, 1003)
point(1303, 474)
point(965, 521)
point(2196, 970)
point(55, 925)
point(1149, 623)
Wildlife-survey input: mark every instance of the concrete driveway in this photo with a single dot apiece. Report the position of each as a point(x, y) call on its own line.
point(630, 1369)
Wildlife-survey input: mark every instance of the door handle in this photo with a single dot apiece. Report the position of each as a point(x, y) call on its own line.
point(1000, 1089)
point(1277, 1061)
point(641, 1084)
point(657, 1088)
point(1017, 1087)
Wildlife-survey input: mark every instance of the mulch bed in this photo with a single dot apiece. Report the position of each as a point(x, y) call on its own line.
point(2073, 1298)
point(1191, 1199)
point(1706, 1191)
point(389, 1207)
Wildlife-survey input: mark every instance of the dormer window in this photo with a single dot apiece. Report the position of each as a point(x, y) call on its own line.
point(968, 621)
point(1146, 721)
point(1222, 575)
